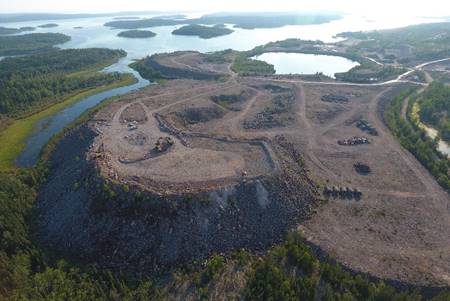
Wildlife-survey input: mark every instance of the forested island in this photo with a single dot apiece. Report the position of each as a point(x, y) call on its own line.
point(30, 43)
point(204, 32)
point(137, 34)
point(7, 30)
point(244, 20)
point(49, 25)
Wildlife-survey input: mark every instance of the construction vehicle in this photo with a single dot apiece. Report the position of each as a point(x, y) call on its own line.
point(342, 193)
point(354, 141)
point(244, 176)
point(365, 126)
point(362, 168)
point(163, 144)
point(132, 126)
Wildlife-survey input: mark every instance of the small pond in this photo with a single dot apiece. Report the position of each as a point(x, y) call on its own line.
point(301, 63)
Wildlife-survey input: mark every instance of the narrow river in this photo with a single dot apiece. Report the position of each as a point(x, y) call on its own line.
point(48, 127)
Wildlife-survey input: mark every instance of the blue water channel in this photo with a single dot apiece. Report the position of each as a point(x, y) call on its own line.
point(48, 127)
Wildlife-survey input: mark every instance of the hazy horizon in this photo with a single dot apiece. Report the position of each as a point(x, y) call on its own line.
point(431, 8)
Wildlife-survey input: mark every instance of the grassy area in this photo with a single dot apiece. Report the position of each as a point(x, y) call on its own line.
point(13, 137)
point(94, 68)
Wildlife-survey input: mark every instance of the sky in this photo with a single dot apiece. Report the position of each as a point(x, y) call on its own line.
point(431, 8)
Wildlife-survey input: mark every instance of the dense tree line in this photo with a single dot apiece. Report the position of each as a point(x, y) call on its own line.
point(292, 272)
point(369, 74)
point(435, 108)
point(26, 273)
point(418, 143)
point(30, 43)
point(246, 66)
point(38, 80)
point(219, 57)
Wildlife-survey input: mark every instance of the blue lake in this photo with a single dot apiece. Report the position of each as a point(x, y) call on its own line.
point(301, 63)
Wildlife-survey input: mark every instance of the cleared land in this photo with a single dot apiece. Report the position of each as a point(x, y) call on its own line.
point(223, 134)
point(198, 156)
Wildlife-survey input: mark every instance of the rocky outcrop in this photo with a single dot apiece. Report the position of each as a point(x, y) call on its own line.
point(85, 217)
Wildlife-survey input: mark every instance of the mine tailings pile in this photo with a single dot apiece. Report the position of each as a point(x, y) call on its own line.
point(127, 227)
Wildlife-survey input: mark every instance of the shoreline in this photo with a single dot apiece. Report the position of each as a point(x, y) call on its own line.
point(15, 134)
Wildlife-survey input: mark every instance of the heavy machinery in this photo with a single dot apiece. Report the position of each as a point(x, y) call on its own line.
point(342, 193)
point(163, 144)
point(354, 141)
point(365, 126)
point(362, 168)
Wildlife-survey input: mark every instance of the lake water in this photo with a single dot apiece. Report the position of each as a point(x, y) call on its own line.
point(301, 63)
point(94, 34)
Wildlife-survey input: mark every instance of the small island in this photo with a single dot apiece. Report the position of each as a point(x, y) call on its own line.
point(137, 34)
point(126, 18)
point(204, 32)
point(78, 27)
point(7, 31)
point(49, 25)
